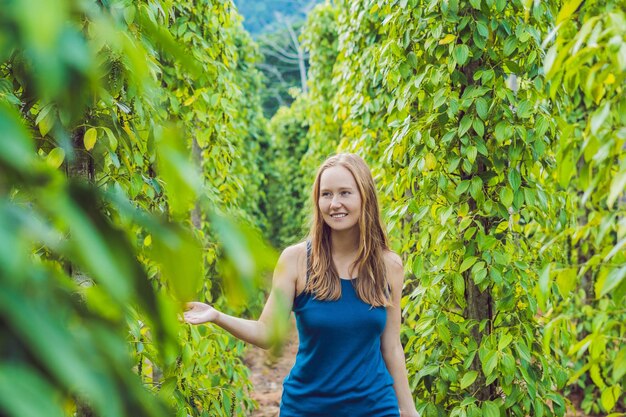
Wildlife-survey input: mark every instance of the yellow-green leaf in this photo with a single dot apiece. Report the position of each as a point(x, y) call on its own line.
point(45, 120)
point(568, 9)
point(609, 397)
point(55, 158)
point(449, 38)
point(619, 365)
point(90, 138)
point(566, 280)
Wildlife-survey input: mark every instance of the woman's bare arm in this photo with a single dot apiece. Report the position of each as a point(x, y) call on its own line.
point(392, 350)
point(275, 312)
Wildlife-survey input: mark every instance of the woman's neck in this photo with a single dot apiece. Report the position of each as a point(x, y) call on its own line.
point(344, 242)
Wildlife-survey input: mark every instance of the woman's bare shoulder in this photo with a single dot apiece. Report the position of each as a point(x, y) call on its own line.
point(294, 256)
point(392, 260)
point(395, 270)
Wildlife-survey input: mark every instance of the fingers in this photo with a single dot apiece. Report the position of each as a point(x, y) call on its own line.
point(187, 318)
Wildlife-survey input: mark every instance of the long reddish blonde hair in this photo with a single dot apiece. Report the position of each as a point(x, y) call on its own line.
point(371, 286)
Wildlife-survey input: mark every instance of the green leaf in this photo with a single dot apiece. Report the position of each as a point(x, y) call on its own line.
point(475, 4)
point(180, 257)
point(566, 169)
point(461, 53)
point(26, 394)
point(479, 127)
point(490, 409)
point(618, 185)
point(112, 138)
point(506, 196)
point(16, 143)
point(482, 108)
point(598, 117)
point(523, 351)
point(509, 45)
point(619, 365)
point(504, 342)
point(482, 29)
point(48, 337)
point(91, 135)
point(45, 119)
point(550, 59)
point(465, 124)
point(508, 363)
point(468, 379)
point(458, 284)
point(524, 109)
point(182, 179)
point(502, 132)
point(472, 152)
point(467, 263)
point(514, 179)
point(462, 187)
point(612, 280)
point(476, 187)
point(55, 158)
point(489, 362)
point(544, 286)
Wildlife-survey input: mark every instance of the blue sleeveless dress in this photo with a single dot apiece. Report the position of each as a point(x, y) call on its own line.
point(339, 369)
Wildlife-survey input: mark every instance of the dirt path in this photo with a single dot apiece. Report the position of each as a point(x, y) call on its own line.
point(268, 374)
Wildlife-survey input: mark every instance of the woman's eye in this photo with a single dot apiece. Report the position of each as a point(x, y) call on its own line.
point(345, 193)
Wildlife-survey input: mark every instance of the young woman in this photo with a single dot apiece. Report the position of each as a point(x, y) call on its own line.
point(344, 286)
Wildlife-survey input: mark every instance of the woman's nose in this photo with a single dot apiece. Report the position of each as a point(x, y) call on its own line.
point(335, 202)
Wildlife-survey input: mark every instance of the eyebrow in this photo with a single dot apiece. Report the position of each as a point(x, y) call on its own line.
point(339, 189)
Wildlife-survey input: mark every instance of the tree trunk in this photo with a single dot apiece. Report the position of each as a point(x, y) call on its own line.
point(479, 307)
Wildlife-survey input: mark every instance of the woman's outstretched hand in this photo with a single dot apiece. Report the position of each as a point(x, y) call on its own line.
point(198, 313)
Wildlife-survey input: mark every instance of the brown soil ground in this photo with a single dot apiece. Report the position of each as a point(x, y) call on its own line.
point(268, 373)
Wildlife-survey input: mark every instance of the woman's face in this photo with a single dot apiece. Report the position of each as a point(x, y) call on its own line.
point(340, 200)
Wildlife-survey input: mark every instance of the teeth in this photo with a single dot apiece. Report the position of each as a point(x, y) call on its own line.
point(338, 215)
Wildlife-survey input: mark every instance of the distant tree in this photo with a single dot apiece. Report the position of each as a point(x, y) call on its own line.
point(276, 26)
point(260, 15)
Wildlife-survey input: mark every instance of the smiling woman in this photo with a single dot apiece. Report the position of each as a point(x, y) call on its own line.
point(339, 200)
point(344, 286)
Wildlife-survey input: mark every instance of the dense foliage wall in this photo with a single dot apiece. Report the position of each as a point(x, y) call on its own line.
point(582, 290)
point(127, 128)
point(495, 131)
